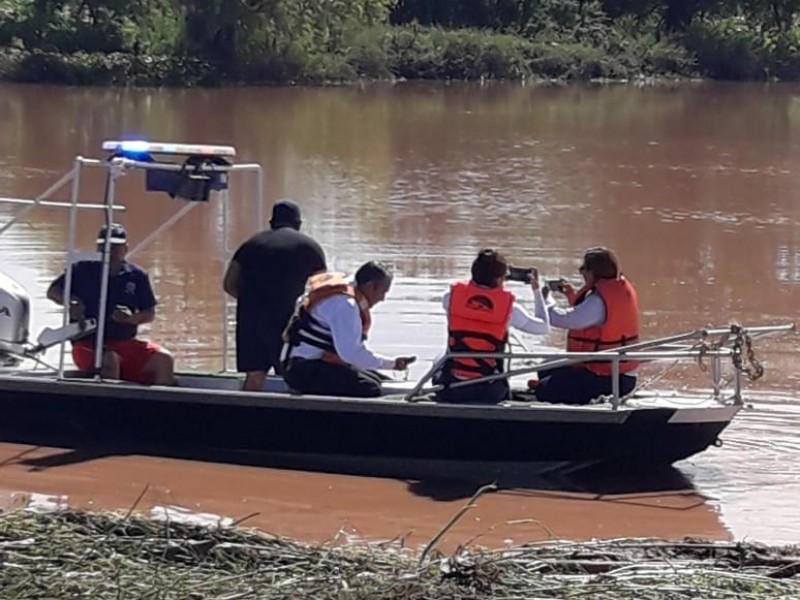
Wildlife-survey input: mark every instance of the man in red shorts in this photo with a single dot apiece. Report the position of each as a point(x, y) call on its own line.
point(130, 303)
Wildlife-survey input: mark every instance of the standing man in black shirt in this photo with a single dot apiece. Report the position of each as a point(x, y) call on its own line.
point(266, 276)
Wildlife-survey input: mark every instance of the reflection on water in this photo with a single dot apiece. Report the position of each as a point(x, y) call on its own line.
point(755, 478)
point(694, 186)
point(318, 506)
point(788, 265)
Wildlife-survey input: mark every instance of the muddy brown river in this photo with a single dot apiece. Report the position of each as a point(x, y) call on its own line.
point(695, 186)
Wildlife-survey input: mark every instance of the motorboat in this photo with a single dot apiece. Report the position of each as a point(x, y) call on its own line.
point(208, 414)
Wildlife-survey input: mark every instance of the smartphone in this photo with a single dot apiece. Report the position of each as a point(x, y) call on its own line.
point(521, 274)
point(555, 285)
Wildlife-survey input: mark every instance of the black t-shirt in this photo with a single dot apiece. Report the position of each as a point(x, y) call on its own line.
point(129, 287)
point(275, 265)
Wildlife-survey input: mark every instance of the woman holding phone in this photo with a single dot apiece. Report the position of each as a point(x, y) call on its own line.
point(479, 312)
point(601, 315)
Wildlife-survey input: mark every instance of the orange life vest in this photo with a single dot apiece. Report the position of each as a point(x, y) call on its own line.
point(477, 321)
point(620, 328)
point(303, 327)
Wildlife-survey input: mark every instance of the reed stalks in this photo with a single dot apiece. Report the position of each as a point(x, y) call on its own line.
point(104, 556)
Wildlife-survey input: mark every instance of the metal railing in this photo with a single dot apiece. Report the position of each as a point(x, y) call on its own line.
point(116, 167)
point(714, 343)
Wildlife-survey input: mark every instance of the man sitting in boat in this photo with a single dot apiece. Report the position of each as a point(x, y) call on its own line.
point(325, 350)
point(479, 313)
point(603, 314)
point(130, 303)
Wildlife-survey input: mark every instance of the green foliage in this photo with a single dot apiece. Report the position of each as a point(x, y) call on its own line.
point(574, 62)
point(776, 15)
point(158, 31)
point(213, 42)
point(785, 54)
point(433, 53)
point(413, 51)
point(499, 15)
point(81, 68)
point(665, 56)
point(728, 49)
point(505, 58)
point(329, 68)
point(367, 53)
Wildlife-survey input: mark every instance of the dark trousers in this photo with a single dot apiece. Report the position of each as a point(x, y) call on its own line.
point(577, 385)
point(258, 346)
point(329, 379)
point(489, 392)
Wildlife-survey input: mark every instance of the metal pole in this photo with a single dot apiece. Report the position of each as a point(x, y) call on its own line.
point(755, 329)
point(225, 304)
point(550, 362)
point(737, 388)
point(615, 401)
point(55, 204)
point(260, 196)
point(57, 185)
point(165, 225)
point(558, 361)
point(716, 376)
point(102, 310)
point(75, 173)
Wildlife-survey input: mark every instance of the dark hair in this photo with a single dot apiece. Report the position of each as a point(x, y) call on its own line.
point(488, 266)
point(601, 262)
point(285, 213)
point(372, 271)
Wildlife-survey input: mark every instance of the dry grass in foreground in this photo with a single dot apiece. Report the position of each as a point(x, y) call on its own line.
point(101, 556)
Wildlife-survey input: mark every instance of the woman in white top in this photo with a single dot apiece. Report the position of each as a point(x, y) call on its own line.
point(479, 313)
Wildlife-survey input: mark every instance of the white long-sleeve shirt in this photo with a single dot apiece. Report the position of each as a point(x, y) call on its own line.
point(520, 319)
point(591, 312)
point(341, 315)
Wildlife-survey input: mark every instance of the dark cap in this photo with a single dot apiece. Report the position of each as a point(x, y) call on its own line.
point(285, 212)
point(118, 235)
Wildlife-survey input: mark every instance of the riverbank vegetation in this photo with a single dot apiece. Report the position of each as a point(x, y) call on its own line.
point(223, 42)
point(71, 554)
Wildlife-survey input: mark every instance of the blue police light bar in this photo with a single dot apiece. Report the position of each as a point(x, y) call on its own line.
point(133, 148)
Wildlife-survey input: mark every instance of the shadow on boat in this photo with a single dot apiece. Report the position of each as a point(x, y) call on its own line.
point(437, 480)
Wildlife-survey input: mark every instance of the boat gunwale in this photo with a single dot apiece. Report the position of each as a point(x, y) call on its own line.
point(385, 405)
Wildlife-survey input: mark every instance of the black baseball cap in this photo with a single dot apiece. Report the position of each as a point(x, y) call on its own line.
point(285, 212)
point(118, 234)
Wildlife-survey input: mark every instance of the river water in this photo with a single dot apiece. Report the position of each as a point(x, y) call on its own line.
point(693, 185)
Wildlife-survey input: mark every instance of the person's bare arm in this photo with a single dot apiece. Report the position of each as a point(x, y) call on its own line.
point(55, 293)
point(145, 316)
point(123, 314)
point(230, 283)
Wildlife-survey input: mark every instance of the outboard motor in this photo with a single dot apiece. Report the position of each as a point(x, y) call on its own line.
point(14, 318)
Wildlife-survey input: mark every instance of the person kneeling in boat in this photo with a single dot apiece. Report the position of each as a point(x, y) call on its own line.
point(325, 350)
point(130, 302)
point(479, 313)
point(602, 315)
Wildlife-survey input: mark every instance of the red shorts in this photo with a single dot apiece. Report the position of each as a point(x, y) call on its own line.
point(133, 356)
